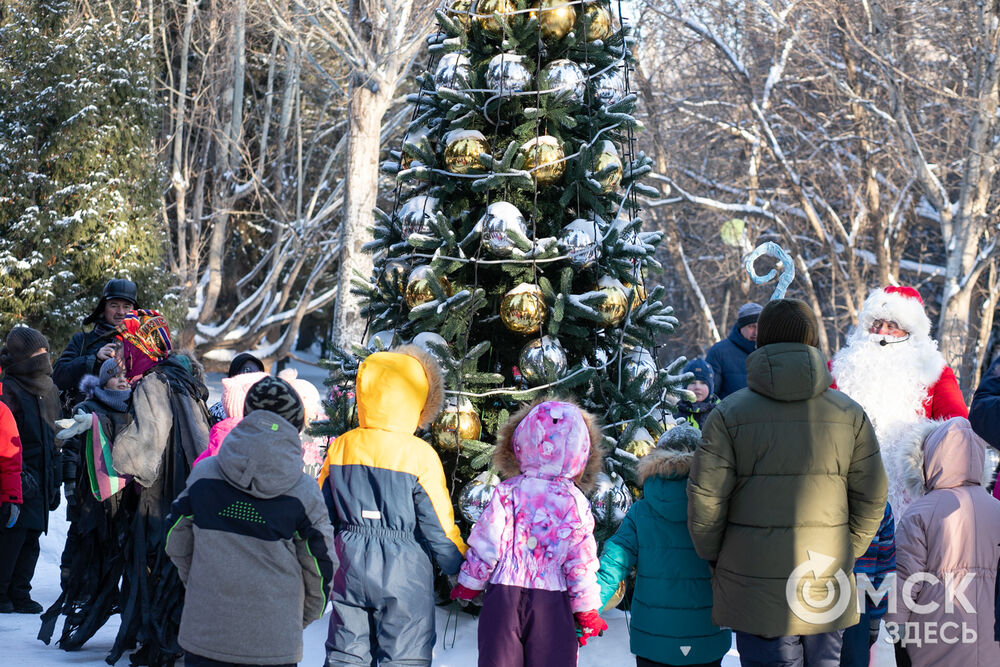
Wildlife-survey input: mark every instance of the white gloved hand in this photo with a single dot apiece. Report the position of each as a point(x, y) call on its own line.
point(80, 422)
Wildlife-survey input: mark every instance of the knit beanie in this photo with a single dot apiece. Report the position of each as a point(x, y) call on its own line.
point(240, 360)
point(277, 396)
point(747, 314)
point(680, 438)
point(787, 321)
point(21, 343)
point(702, 370)
point(110, 368)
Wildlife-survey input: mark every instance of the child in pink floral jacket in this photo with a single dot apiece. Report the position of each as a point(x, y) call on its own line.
point(534, 543)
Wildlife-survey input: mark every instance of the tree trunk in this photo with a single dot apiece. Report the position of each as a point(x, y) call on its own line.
point(368, 105)
point(226, 174)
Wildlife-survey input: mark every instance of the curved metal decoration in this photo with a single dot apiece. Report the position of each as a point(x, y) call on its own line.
point(787, 274)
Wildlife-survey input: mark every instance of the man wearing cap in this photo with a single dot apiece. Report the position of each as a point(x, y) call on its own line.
point(728, 357)
point(786, 491)
point(892, 367)
point(87, 350)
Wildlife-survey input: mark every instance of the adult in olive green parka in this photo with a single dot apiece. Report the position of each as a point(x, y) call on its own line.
point(789, 475)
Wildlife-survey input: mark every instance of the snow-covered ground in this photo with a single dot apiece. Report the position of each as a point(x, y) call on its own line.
point(456, 644)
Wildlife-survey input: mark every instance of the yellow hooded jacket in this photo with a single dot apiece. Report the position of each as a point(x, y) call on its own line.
point(382, 484)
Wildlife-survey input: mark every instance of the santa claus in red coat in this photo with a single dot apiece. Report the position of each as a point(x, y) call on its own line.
point(892, 367)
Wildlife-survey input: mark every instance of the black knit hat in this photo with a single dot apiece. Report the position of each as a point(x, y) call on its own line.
point(277, 396)
point(240, 360)
point(22, 343)
point(787, 321)
point(747, 314)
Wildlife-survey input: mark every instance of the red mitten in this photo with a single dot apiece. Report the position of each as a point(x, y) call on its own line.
point(460, 592)
point(590, 624)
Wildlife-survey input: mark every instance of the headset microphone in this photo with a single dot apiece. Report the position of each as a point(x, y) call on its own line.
point(901, 339)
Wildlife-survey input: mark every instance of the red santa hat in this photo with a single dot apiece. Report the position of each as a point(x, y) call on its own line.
point(902, 305)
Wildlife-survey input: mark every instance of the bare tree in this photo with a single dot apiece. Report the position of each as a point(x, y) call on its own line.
point(861, 140)
point(254, 140)
point(377, 40)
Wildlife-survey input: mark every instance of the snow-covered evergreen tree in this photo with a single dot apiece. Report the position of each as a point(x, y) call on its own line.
point(78, 175)
point(515, 253)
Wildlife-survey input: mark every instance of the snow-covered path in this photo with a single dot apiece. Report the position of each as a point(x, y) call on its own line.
point(455, 648)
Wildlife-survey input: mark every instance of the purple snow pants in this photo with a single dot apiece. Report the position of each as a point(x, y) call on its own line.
point(525, 627)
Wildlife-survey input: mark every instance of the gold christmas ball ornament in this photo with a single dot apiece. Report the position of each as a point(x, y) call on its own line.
point(461, 10)
point(606, 156)
point(614, 306)
point(523, 309)
point(640, 444)
point(545, 159)
point(458, 421)
point(616, 598)
point(394, 273)
point(555, 18)
point(486, 10)
point(418, 286)
point(462, 151)
point(596, 22)
point(637, 292)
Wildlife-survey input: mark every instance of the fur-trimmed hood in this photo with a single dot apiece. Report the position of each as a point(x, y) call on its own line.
point(940, 454)
point(665, 463)
point(88, 383)
point(580, 461)
point(400, 390)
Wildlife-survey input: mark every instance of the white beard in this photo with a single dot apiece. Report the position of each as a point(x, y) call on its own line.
point(891, 381)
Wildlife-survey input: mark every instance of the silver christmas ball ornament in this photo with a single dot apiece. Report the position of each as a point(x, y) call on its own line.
point(416, 215)
point(503, 229)
point(506, 74)
point(639, 369)
point(383, 340)
point(562, 75)
point(610, 500)
point(610, 87)
point(579, 240)
point(433, 343)
point(474, 498)
point(452, 71)
point(542, 360)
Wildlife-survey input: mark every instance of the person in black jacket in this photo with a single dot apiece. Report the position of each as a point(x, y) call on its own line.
point(984, 415)
point(33, 400)
point(101, 507)
point(985, 411)
point(87, 350)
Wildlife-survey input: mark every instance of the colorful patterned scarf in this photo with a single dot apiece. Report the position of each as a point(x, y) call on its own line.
point(104, 481)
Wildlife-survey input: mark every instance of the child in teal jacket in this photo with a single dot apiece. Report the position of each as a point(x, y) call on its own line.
point(672, 602)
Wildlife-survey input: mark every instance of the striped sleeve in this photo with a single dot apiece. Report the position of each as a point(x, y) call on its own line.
point(435, 516)
point(180, 535)
point(315, 553)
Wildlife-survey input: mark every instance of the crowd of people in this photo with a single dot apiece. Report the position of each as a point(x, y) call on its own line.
point(807, 505)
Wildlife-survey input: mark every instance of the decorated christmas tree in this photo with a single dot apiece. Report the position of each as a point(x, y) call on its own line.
point(514, 251)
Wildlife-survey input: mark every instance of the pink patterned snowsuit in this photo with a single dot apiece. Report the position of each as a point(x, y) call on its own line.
point(534, 545)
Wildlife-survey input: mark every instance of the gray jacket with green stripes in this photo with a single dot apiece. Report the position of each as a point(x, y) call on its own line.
point(252, 542)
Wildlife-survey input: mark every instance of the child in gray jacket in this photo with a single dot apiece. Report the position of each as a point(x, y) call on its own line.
point(252, 541)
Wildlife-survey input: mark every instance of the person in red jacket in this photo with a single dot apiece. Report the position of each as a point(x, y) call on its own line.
point(10, 467)
point(892, 367)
